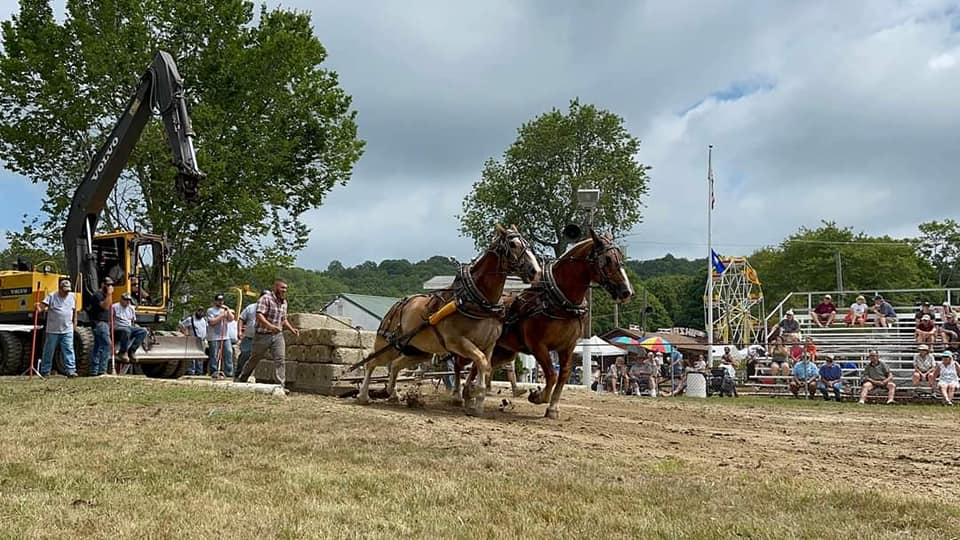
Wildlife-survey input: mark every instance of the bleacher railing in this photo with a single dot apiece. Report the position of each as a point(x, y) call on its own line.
point(904, 301)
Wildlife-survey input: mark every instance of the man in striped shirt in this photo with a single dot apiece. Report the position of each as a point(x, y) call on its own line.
point(271, 321)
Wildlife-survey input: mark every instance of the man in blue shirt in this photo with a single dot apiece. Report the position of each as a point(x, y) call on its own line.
point(805, 375)
point(883, 312)
point(830, 379)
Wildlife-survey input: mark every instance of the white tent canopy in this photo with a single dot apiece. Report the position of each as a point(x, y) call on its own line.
point(597, 347)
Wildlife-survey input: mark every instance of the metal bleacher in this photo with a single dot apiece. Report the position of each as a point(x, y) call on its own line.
point(848, 345)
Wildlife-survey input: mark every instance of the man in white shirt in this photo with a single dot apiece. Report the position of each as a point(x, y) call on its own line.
point(195, 325)
point(129, 336)
point(61, 310)
point(221, 351)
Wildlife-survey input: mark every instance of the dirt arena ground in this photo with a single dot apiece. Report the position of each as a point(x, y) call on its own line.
point(134, 458)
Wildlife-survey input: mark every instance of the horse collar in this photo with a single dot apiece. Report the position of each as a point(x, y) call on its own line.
point(470, 294)
point(555, 294)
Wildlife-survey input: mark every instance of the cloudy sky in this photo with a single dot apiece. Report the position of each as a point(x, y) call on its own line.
point(845, 111)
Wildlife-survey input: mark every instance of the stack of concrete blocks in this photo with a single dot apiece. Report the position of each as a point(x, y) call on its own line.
point(321, 355)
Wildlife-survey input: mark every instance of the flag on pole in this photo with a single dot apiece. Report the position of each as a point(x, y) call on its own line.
point(718, 265)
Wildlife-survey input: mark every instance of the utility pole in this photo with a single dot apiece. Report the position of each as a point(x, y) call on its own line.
point(839, 277)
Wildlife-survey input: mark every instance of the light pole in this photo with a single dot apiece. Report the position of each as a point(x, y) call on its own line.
point(588, 199)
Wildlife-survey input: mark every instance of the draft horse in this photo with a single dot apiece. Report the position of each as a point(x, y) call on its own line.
point(405, 337)
point(550, 315)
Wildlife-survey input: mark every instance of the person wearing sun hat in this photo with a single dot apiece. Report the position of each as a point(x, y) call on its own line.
point(948, 376)
point(923, 364)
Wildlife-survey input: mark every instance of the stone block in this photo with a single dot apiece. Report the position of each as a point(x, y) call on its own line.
point(265, 372)
point(309, 321)
point(357, 339)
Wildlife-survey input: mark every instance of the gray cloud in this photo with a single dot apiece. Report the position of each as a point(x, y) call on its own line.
point(818, 110)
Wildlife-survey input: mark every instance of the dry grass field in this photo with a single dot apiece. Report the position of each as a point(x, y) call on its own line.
point(131, 458)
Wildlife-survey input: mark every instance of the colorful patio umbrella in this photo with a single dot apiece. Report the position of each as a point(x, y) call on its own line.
point(657, 344)
point(627, 342)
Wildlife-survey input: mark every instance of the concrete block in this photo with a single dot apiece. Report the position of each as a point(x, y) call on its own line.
point(357, 339)
point(265, 372)
point(309, 321)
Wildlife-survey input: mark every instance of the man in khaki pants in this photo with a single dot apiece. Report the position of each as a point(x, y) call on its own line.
point(271, 320)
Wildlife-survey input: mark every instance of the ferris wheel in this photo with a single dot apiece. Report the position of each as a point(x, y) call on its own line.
point(737, 302)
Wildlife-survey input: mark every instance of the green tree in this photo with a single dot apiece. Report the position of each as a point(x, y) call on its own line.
point(681, 296)
point(556, 154)
point(644, 309)
point(274, 130)
point(939, 244)
point(806, 261)
point(669, 265)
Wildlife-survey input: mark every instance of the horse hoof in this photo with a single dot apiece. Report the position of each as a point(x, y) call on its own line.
point(552, 414)
point(534, 397)
point(363, 400)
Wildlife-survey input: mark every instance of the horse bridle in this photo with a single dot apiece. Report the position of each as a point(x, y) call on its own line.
point(597, 251)
point(471, 294)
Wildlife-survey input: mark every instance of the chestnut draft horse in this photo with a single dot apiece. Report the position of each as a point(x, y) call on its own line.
point(405, 337)
point(549, 316)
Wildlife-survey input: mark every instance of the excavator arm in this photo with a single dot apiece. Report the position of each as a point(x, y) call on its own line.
point(160, 89)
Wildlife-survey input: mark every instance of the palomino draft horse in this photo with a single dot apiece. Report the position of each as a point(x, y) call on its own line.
point(404, 340)
point(550, 315)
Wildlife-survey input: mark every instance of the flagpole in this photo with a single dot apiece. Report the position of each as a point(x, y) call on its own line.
point(709, 256)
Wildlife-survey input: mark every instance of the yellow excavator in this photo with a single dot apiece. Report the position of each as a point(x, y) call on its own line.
point(136, 261)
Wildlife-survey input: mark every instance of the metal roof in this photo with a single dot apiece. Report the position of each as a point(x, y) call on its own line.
point(443, 282)
point(378, 306)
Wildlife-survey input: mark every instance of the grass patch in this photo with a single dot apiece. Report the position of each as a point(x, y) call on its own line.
point(132, 459)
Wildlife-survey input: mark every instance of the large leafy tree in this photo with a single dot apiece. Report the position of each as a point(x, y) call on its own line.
point(556, 154)
point(275, 132)
point(806, 261)
point(939, 244)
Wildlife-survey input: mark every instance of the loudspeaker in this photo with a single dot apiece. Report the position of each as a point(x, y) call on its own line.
point(572, 232)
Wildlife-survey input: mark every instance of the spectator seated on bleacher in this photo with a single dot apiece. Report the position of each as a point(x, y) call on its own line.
point(825, 312)
point(948, 377)
point(857, 316)
point(805, 375)
point(876, 374)
point(925, 309)
point(926, 330)
point(810, 349)
point(923, 367)
point(950, 332)
point(883, 313)
point(779, 359)
point(945, 310)
point(788, 328)
point(830, 379)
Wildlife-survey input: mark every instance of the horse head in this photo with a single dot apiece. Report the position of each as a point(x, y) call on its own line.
point(516, 256)
point(607, 267)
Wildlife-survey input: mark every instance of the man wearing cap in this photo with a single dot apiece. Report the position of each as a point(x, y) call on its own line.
point(99, 311)
point(61, 310)
point(248, 320)
point(218, 338)
point(950, 332)
point(926, 330)
point(825, 312)
point(923, 364)
point(830, 379)
point(883, 312)
point(269, 341)
point(948, 376)
point(876, 374)
point(789, 328)
point(129, 335)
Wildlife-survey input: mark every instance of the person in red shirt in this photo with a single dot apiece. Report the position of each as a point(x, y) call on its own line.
point(926, 330)
point(825, 312)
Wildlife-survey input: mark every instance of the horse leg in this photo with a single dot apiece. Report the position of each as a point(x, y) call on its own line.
point(363, 397)
point(542, 354)
point(457, 392)
point(566, 364)
point(400, 363)
point(474, 391)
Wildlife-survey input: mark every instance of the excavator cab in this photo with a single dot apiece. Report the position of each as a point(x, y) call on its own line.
point(137, 264)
